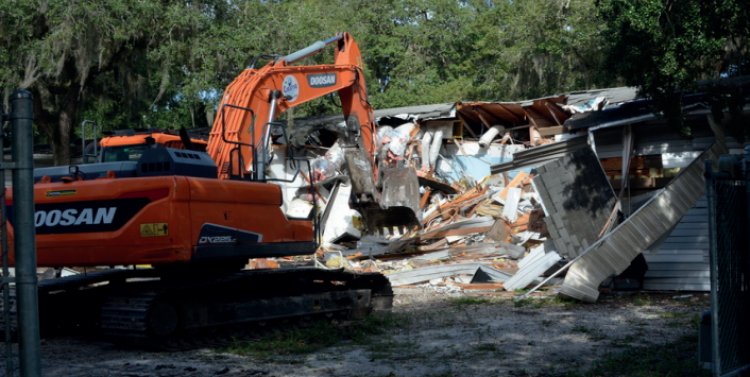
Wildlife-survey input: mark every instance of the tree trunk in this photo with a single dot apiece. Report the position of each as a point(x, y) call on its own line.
point(61, 146)
point(61, 141)
point(57, 125)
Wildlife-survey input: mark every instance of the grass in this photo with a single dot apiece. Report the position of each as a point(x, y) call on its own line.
point(642, 299)
point(680, 319)
point(464, 301)
point(303, 339)
point(533, 303)
point(376, 324)
point(625, 341)
point(297, 340)
point(389, 349)
point(542, 302)
point(446, 374)
point(594, 335)
point(678, 358)
point(486, 347)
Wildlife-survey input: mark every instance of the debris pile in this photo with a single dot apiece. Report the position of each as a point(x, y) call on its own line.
point(508, 192)
point(478, 230)
point(477, 235)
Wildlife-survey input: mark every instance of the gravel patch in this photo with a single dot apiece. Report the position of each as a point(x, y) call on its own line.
point(458, 334)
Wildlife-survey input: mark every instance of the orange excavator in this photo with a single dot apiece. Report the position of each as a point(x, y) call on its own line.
point(131, 146)
point(197, 217)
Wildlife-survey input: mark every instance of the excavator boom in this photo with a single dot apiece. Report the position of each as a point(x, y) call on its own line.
point(239, 139)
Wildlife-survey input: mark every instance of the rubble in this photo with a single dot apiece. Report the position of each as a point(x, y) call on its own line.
point(474, 229)
point(506, 190)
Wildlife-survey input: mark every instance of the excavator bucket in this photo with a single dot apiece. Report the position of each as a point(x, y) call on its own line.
point(392, 209)
point(398, 209)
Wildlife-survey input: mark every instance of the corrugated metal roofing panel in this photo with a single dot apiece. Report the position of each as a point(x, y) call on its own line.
point(687, 242)
point(436, 110)
point(431, 272)
point(661, 266)
point(695, 273)
point(577, 198)
point(670, 244)
point(613, 95)
point(679, 258)
point(660, 214)
point(668, 284)
point(675, 251)
point(541, 154)
point(531, 271)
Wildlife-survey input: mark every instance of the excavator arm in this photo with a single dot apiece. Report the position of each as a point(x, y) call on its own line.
point(239, 141)
point(240, 137)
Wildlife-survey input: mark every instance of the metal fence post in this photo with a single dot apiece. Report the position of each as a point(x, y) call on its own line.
point(729, 218)
point(21, 118)
point(714, 245)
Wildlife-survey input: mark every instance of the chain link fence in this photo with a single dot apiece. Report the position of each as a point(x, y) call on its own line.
point(728, 192)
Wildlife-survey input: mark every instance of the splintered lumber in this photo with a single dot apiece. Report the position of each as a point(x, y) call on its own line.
point(262, 263)
point(488, 208)
point(474, 251)
point(522, 223)
point(500, 231)
point(518, 180)
point(425, 198)
point(467, 196)
point(482, 286)
point(463, 201)
point(460, 228)
point(435, 246)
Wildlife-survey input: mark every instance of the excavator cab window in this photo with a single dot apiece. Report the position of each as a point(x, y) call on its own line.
point(123, 153)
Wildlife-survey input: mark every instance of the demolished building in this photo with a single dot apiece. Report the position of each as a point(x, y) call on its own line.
point(578, 184)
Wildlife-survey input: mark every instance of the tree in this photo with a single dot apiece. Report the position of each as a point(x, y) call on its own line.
point(117, 58)
point(665, 46)
point(528, 48)
point(164, 64)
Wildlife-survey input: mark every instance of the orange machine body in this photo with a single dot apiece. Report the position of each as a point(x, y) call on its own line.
point(112, 214)
point(162, 220)
point(161, 138)
point(130, 147)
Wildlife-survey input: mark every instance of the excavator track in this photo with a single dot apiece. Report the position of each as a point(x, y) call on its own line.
point(144, 308)
point(71, 304)
point(154, 312)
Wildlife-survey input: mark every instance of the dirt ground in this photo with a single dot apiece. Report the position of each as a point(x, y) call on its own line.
point(442, 334)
